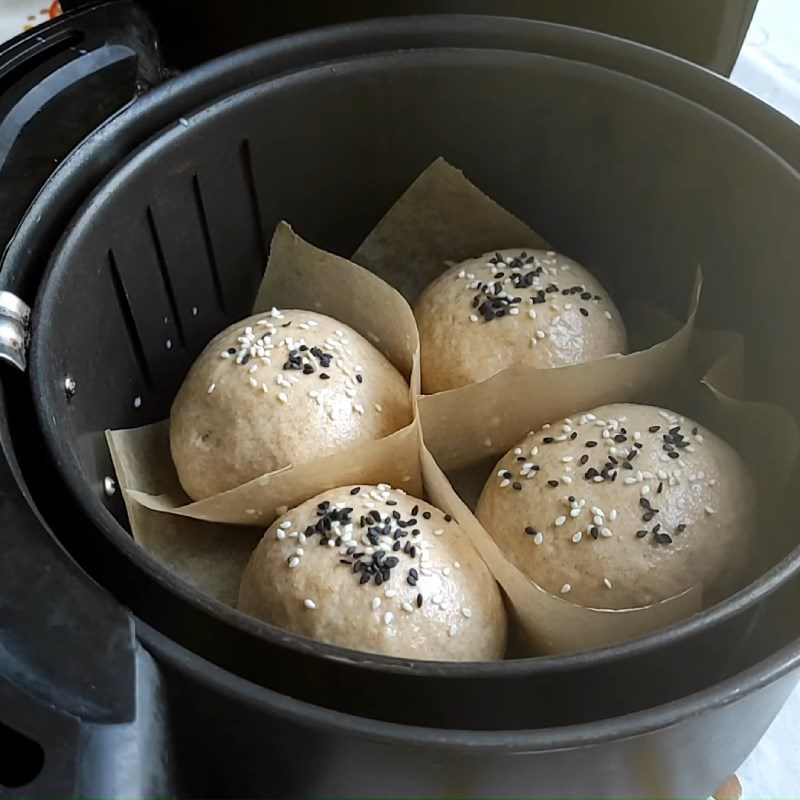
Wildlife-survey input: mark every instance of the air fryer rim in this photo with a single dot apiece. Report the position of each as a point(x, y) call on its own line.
point(744, 599)
point(777, 666)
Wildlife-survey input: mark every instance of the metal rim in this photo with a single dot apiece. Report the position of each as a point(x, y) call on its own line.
point(744, 599)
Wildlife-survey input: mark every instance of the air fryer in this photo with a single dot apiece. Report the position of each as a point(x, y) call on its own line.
point(119, 680)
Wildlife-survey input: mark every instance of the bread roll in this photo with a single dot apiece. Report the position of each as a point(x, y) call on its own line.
point(277, 389)
point(623, 506)
point(372, 569)
point(512, 308)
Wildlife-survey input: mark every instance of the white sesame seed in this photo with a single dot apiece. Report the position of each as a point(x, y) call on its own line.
point(293, 562)
point(390, 593)
point(645, 490)
point(438, 532)
point(598, 479)
point(575, 512)
point(376, 603)
point(597, 519)
point(710, 510)
point(566, 459)
point(388, 617)
point(540, 334)
point(457, 564)
point(612, 515)
point(279, 534)
point(137, 402)
point(565, 588)
point(212, 387)
point(607, 582)
point(538, 538)
point(560, 521)
point(566, 479)
point(408, 607)
point(282, 396)
point(505, 482)
point(358, 407)
point(467, 612)
point(453, 630)
point(254, 383)
point(630, 480)
point(608, 315)
point(109, 486)
point(168, 343)
point(309, 604)
point(576, 537)
point(606, 532)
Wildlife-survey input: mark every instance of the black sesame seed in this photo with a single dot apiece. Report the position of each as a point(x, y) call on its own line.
point(426, 514)
point(663, 538)
point(674, 454)
point(345, 561)
point(647, 516)
point(391, 562)
point(415, 511)
point(660, 487)
point(591, 473)
point(619, 438)
point(530, 531)
point(591, 443)
point(654, 428)
point(681, 528)
point(584, 458)
point(411, 581)
point(584, 312)
point(396, 546)
point(594, 532)
point(412, 551)
point(552, 483)
point(548, 440)
point(246, 358)
point(419, 601)
point(391, 502)
point(413, 573)
point(355, 490)
point(644, 503)
point(641, 534)
point(448, 518)
point(657, 528)
point(694, 431)
point(415, 532)
point(323, 376)
point(517, 485)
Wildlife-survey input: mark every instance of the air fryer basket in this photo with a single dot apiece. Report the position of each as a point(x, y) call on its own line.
point(183, 224)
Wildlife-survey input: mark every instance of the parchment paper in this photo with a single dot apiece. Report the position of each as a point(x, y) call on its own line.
point(203, 542)
point(443, 218)
point(765, 435)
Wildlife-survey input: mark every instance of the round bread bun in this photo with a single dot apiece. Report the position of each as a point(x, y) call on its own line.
point(397, 577)
point(623, 506)
point(276, 389)
point(500, 310)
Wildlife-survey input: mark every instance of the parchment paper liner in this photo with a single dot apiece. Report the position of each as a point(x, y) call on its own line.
point(443, 218)
point(211, 556)
point(765, 435)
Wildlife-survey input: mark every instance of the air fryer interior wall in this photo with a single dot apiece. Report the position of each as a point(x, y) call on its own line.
point(245, 161)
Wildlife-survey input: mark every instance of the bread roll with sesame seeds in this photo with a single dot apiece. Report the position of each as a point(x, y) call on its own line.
point(276, 389)
point(623, 506)
point(397, 577)
point(512, 308)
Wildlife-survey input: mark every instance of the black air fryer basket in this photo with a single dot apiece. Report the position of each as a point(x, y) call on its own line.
point(117, 679)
